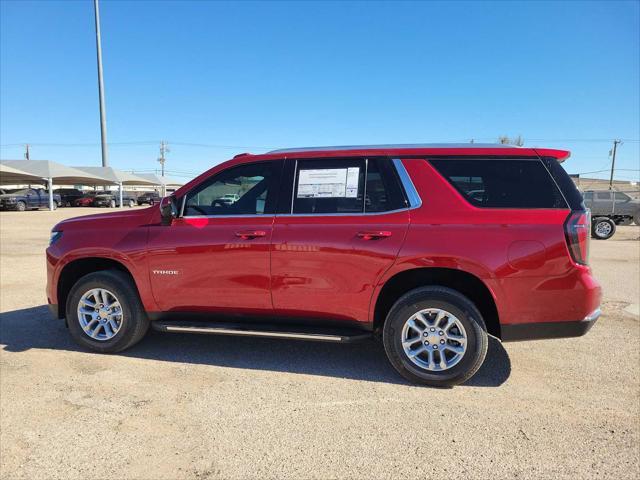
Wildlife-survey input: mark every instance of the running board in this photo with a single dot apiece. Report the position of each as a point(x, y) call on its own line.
point(292, 332)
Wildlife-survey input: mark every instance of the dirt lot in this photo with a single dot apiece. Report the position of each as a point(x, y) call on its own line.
point(179, 406)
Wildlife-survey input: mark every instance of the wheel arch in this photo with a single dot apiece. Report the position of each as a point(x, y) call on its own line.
point(76, 269)
point(464, 282)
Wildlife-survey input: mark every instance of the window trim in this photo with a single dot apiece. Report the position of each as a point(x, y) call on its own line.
point(412, 198)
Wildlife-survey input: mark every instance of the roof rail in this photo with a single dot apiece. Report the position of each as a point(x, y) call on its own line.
point(395, 146)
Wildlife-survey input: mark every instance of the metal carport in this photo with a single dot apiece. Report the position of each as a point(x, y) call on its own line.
point(117, 177)
point(49, 171)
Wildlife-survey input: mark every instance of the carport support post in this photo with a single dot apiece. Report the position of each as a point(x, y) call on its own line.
point(50, 185)
point(120, 192)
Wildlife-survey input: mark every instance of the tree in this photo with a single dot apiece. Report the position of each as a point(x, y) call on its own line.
point(518, 141)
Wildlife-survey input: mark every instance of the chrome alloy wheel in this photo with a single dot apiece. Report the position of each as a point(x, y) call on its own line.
point(100, 314)
point(603, 229)
point(434, 339)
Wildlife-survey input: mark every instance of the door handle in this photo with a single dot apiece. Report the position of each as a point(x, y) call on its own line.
point(249, 234)
point(374, 235)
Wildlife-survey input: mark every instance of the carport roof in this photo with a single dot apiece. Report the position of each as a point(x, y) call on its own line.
point(117, 176)
point(13, 176)
point(60, 174)
point(159, 180)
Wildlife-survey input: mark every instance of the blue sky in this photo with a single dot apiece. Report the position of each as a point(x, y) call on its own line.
point(234, 77)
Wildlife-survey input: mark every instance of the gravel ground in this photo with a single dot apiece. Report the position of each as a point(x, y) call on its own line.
point(179, 406)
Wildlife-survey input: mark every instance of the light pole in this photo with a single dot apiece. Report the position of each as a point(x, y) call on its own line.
point(103, 114)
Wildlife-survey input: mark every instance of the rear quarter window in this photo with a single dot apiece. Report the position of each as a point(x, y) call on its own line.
point(502, 183)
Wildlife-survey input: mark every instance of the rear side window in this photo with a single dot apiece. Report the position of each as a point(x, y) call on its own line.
point(348, 186)
point(329, 186)
point(603, 196)
point(502, 183)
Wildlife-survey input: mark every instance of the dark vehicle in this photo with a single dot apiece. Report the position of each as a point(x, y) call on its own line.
point(27, 199)
point(149, 198)
point(608, 209)
point(68, 195)
point(85, 200)
point(429, 248)
point(111, 198)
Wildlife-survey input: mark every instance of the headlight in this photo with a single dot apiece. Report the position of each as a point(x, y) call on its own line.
point(55, 236)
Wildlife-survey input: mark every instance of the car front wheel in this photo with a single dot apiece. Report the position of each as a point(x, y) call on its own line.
point(435, 336)
point(104, 312)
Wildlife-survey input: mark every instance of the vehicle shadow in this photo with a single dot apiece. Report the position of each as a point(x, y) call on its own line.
point(33, 328)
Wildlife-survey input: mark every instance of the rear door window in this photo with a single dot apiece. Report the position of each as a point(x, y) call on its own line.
point(502, 183)
point(329, 186)
point(346, 186)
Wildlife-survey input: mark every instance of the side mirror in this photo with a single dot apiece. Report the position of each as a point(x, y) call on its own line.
point(168, 210)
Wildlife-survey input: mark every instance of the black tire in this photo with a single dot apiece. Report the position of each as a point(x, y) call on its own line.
point(602, 228)
point(67, 204)
point(55, 205)
point(135, 321)
point(636, 219)
point(132, 203)
point(112, 204)
point(21, 206)
point(445, 299)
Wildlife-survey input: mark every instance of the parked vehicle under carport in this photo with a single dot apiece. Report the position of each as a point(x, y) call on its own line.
point(27, 199)
point(112, 199)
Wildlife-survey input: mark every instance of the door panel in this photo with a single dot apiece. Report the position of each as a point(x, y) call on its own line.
point(328, 266)
point(210, 264)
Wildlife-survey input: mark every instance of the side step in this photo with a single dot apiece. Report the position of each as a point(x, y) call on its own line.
point(292, 332)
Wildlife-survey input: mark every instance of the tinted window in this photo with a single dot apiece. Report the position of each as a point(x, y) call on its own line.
point(588, 196)
point(603, 196)
point(497, 183)
point(621, 197)
point(383, 191)
point(242, 190)
point(329, 186)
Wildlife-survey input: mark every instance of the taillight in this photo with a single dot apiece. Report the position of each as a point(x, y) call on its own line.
point(577, 230)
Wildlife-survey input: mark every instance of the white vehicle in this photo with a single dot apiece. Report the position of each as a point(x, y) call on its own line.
point(229, 198)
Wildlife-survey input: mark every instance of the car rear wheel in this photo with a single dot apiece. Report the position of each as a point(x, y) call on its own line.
point(602, 228)
point(104, 312)
point(435, 336)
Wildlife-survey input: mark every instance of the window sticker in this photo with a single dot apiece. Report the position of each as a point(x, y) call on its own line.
point(329, 183)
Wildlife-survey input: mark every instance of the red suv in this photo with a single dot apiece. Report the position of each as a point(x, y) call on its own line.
point(429, 247)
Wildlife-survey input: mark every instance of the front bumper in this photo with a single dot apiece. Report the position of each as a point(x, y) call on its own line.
point(544, 330)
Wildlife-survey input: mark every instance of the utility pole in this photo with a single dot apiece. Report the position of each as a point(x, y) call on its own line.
point(164, 148)
point(103, 114)
point(26, 152)
point(613, 161)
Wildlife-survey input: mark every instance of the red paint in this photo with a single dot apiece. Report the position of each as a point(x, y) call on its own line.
point(334, 267)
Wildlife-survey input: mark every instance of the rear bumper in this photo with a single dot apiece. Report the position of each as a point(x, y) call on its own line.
point(540, 331)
